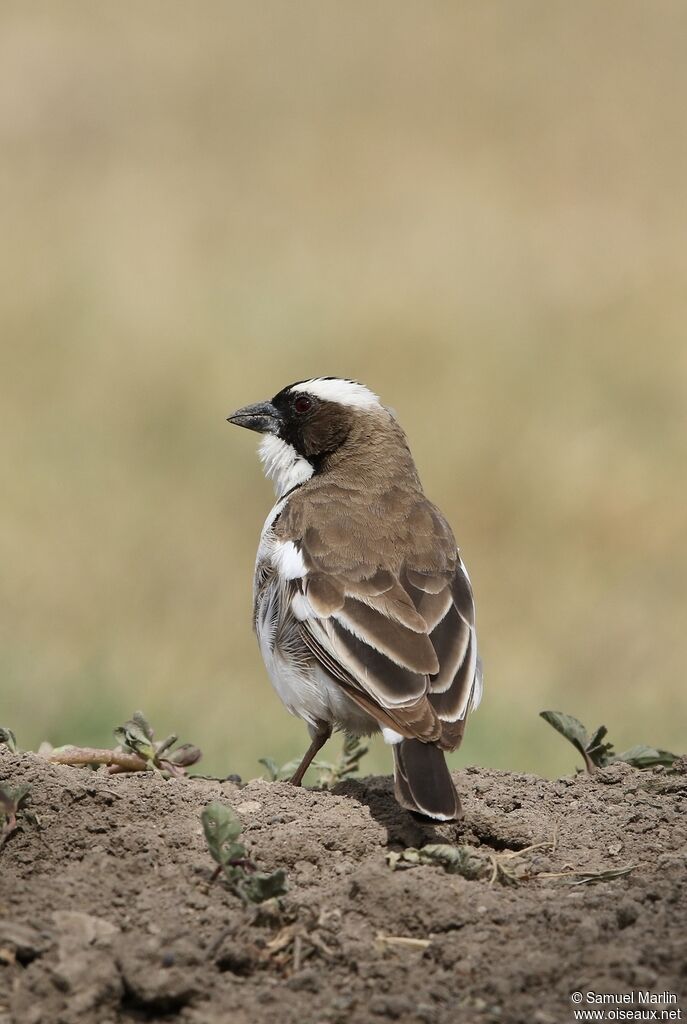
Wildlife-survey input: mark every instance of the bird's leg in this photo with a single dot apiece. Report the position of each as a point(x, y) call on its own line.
point(322, 733)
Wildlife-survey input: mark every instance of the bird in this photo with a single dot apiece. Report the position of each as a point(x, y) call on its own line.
point(362, 605)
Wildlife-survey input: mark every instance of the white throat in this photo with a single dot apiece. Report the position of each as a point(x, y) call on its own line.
point(283, 464)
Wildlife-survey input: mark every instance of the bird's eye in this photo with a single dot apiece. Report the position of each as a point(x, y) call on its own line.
point(302, 404)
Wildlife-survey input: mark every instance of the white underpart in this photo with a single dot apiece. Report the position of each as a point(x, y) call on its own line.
point(301, 608)
point(345, 392)
point(303, 685)
point(390, 735)
point(283, 464)
point(308, 692)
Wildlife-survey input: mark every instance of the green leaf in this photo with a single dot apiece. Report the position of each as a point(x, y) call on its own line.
point(137, 736)
point(410, 856)
point(165, 744)
point(275, 772)
point(260, 886)
point(13, 797)
point(271, 766)
point(598, 736)
point(601, 753)
point(12, 800)
point(184, 755)
point(329, 772)
point(346, 765)
point(141, 722)
point(596, 753)
point(8, 738)
point(222, 828)
point(456, 860)
point(646, 757)
point(567, 726)
point(574, 732)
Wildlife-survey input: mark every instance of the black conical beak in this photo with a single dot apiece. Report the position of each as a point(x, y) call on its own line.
point(263, 417)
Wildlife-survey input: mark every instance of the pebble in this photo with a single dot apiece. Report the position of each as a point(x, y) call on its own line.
point(304, 981)
point(249, 807)
point(390, 1006)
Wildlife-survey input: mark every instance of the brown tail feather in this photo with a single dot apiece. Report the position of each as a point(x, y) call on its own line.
point(423, 783)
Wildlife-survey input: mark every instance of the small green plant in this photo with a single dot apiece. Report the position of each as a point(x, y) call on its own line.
point(509, 867)
point(346, 765)
point(137, 737)
point(138, 751)
point(12, 801)
point(222, 829)
point(455, 860)
point(8, 739)
point(274, 771)
point(599, 754)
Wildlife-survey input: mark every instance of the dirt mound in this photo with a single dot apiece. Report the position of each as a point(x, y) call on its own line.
point(108, 914)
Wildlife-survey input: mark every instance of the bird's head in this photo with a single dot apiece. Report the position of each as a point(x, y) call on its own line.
point(308, 422)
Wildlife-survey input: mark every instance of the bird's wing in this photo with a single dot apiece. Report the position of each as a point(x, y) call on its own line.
point(449, 612)
point(399, 638)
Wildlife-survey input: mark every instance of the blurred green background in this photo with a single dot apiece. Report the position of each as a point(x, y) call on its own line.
point(478, 209)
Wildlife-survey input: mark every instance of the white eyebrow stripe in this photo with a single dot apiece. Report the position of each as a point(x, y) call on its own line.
point(345, 392)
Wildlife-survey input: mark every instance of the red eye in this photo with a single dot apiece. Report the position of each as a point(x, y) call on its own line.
point(302, 404)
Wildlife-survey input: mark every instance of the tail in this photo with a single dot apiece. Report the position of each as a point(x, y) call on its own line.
point(423, 783)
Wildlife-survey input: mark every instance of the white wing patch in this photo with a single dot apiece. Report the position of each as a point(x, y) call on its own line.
point(390, 735)
point(304, 686)
point(345, 392)
point(288, 561)
point(283, 464)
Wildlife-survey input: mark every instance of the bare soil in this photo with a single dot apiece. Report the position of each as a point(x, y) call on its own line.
point(108, 914)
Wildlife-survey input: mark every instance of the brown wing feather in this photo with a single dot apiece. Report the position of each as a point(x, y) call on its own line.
point(352, 688)
point(450, 639)
point(406, 647)
point(389, 683)
point(392, 614)
point(451, 704)
point(453, 638)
